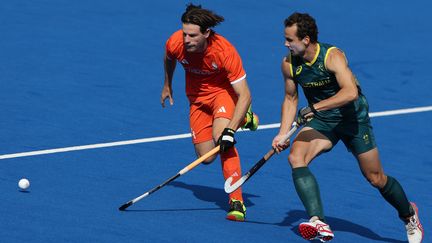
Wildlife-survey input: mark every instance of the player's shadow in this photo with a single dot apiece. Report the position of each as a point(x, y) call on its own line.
point(294, 216)
point(211, 194)
point(203, 193)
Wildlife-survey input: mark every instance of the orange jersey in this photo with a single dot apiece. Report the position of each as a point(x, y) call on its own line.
point(209, 72)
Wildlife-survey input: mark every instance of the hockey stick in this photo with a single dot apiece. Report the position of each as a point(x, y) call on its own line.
point(181, 172)
point(230, 188)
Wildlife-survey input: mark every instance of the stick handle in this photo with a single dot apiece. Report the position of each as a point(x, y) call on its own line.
point(199, 160)
point(295, 126)
point(260, 163)
point(272, 151)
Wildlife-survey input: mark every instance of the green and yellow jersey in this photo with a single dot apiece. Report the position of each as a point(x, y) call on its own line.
point(319, 84)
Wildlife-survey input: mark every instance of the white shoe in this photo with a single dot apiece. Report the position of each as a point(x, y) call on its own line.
point(316, 229)
point(414, 228)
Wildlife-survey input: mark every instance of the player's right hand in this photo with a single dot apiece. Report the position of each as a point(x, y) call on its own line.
point(166, 94)
point(280, 147)
point(305, 114)
point(226, 140)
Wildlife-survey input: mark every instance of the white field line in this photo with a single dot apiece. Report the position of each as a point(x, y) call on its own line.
point(184, 135)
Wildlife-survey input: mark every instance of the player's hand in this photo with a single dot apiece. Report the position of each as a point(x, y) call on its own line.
point(305, 114)
point(280, 147)
point(226, 140)
point(166, 94)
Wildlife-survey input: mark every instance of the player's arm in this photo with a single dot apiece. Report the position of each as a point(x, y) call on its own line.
point(337, 64)
point(231, 62)
point(289, 104)
point(290, 101)
point(169, 68)
point(244, 100)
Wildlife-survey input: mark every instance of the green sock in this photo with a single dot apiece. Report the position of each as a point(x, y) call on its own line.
point(308, 191)
point(395, 195)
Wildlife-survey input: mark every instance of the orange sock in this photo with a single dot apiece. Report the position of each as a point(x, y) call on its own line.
point(231, 167)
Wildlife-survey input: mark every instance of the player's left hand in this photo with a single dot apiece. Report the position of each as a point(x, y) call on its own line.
point(226, 140)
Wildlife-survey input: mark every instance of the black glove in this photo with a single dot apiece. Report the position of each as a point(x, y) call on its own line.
point(304, 114)
point(226, 140)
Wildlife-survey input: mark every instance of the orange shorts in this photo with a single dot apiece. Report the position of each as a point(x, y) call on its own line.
point(202, 114)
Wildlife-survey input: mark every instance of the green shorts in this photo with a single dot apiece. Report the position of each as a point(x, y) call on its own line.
point(358, 137)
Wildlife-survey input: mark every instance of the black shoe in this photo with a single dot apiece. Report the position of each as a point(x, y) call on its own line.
point(237, 211)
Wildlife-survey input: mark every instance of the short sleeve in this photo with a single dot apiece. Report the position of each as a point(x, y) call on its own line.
point(168, 49)
point(233, 66)
point(174, 44)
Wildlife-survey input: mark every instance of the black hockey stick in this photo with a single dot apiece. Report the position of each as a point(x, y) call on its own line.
point(230, 188)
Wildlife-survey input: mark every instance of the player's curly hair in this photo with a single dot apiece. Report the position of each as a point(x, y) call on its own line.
point(204, 18)
point(306, 25)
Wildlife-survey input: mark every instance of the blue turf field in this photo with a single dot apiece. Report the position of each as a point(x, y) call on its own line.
point(87, 72)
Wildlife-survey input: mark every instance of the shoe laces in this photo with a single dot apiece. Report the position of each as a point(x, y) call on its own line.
point(236, 206)
point(411, 226)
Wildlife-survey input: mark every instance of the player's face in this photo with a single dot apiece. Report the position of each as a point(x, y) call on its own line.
point(295, 45)
point(194, 40)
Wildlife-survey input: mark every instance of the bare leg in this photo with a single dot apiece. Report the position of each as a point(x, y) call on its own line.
point(203, 148)
point(389, 187)
point(307, 145)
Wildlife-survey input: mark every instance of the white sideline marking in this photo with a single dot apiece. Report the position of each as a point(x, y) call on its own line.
point(184, 135)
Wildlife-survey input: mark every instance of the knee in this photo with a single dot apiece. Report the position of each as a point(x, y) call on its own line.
point(209, 160)
point(376, 179)
point(296, 160)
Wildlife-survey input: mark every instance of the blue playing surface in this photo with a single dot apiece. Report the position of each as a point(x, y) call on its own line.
point(87, 72)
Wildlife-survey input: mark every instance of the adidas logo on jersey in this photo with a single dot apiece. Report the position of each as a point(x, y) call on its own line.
point(214, 65)
point(222, 109)
point(234, 174)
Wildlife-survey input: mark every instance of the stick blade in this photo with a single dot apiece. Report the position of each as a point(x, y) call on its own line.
point(227, 185)
point(230, 188)
point(124, 206)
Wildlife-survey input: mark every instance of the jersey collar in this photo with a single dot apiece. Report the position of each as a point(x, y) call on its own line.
point(315, 57)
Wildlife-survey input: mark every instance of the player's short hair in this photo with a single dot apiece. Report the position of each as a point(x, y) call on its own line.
point(204, 18)
point(306, 25)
